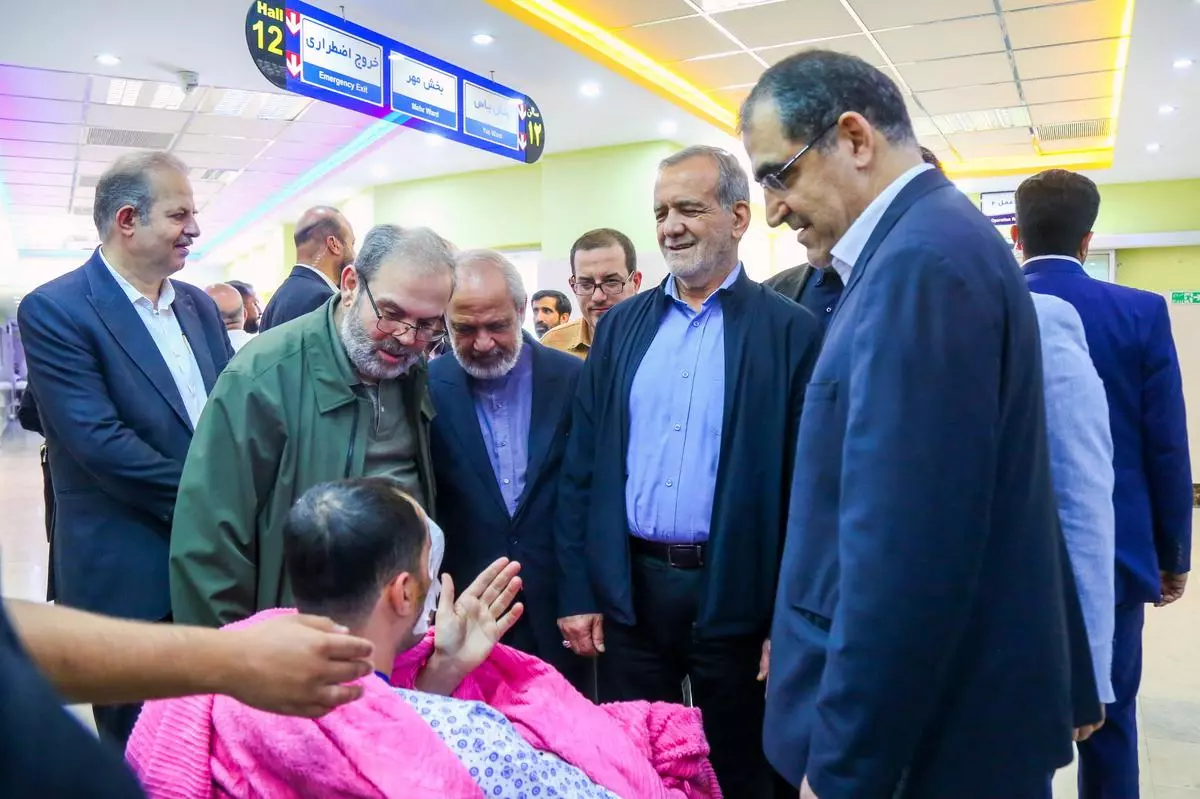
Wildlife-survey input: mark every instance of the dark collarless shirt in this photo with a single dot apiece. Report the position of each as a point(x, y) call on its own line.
point(821, 295)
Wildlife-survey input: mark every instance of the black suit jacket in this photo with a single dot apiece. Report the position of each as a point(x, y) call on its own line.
point(117, 433)
point(302, 292)
point(470, 508)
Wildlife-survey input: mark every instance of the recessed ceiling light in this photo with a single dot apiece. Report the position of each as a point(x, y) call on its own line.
point(590, 89)
point(107, 60)
point(667, 127)
point(1183, 63)
point(1153, 147)
point(483, 38)
point(1166, 109)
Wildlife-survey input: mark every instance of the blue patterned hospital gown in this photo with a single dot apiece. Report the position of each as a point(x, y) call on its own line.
point(501, 762)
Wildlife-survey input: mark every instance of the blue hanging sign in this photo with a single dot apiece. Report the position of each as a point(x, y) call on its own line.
point(304, 50)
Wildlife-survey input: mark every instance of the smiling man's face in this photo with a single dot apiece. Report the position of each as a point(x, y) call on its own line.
point(696, 235)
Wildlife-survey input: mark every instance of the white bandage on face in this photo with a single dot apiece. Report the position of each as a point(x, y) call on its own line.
point(437, 548)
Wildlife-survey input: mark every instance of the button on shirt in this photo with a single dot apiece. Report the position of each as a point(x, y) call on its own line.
point(676, 416)
point(503, 407)
point(163, 326)
point(855, 239)
point(821, 295)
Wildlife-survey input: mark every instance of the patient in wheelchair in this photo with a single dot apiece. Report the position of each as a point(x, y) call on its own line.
point(449, 712)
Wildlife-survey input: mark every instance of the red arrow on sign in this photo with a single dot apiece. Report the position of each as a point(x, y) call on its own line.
point(293, 64)
point(292, 19)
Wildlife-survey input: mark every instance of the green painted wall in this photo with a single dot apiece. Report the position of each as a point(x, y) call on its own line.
point(498, 209)
point(1160, 269)
point(289, 248)
point(1158, 207)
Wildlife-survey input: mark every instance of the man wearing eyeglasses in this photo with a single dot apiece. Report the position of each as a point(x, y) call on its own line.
point(338, 394)
point(603, 273)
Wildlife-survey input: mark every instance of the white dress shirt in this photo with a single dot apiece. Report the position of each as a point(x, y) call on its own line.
point(332, 287)
point(852, 242)
point(163, 326)
point(238, 338)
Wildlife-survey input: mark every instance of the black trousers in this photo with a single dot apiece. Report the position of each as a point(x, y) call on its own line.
point(649, 660)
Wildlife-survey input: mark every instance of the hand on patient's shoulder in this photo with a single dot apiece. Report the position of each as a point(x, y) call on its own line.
point(296, 665)
point(469, 627)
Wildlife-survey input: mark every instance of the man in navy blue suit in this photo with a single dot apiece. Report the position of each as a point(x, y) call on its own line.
point(1129, 336)
point(503, 410)
point(123, 359)
point(922, 644)
point(324, 247)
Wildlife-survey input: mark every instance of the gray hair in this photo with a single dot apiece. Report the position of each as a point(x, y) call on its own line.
point(469, 260)
point(420, 248)
point(127, 183)
point(812, 88)
point(733, 186)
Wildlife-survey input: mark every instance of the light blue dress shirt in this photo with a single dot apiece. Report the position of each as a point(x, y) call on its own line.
point(163, 326)
point(503, 407)
point(845, 253)
point(1081, 465)
point(676, 417)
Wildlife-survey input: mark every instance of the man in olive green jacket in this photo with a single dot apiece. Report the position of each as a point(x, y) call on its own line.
point(337, 393)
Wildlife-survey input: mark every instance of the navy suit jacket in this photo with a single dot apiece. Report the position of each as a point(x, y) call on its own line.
point(302, 292)
point(770, 346)
point(117, 433)
point(1129, 337)
point(922, 637)
point(470, 508)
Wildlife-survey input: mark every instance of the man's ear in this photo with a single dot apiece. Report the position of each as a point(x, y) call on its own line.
point(636, 278)
point(349, 284)
point(1015, 233)
point(1085, 246)
point(403, 594)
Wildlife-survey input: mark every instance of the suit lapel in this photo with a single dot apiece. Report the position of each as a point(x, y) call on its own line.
point(736, 357)
point(549, 398)
point(189, 322)
point(126, 326)
point(459, 413)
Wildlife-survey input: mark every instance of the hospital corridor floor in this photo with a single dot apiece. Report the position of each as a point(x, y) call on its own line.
point(1169, 709)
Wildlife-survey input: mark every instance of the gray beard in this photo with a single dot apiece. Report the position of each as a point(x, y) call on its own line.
point(362, 351)
point(490, 372)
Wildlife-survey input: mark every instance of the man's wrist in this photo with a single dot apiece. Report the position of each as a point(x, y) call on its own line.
point(224, 663)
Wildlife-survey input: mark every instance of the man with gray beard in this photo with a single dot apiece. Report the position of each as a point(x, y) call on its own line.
point(338, 394)
point(503, 404)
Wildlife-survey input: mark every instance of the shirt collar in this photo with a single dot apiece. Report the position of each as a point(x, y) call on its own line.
point(1037, 258)
point(321, 275)
point(850, 246)
point(730, 279)
point(166, 294)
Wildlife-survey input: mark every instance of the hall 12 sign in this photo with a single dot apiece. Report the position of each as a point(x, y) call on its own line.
point(304, 50)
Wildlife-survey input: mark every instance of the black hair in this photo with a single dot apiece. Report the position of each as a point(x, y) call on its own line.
point(813, 88)
point(603, 237)
point(245, 289)
point(344, 541)
point(1056, 209)
point(561, 303)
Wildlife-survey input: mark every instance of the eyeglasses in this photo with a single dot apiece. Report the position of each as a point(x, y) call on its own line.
point(777, 181)
point(612, 286)
point(423, 332)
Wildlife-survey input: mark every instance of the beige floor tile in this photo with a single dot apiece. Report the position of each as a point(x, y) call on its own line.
point(1174, 764)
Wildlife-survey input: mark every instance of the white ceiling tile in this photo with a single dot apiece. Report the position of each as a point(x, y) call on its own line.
point(329, 114)
point(675, 41)
point(212, 125)
point(1067, 59)
point(92, 167)
point(32, 109)
point(1074, 111)
point(972, 70)
point(36, 179)
point(317, 135)
point(38, 195)
point(1062, 24)
point(787, 21)
point(621, 13)
point(1060, 145)
point(39, 132)
point(858, 45)
point(215, 160)
point(943, 40)
point(968, 149)
point(975, 98)
point(730, 70)
point(127, 118)
point(877, 14)
point(284, 166)
point(103, 154)
point(63, 167)
point(25, 82)
point(33, 149)
point(994, 138)
point(1014, 5)
point(300, 151)
point(1073, 87)
point(189, 143)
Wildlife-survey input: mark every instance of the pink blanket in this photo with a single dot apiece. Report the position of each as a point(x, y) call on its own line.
point(212, 747)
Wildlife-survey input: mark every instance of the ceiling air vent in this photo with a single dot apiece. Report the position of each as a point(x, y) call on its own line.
point(138, 139)
point(1086, 129)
